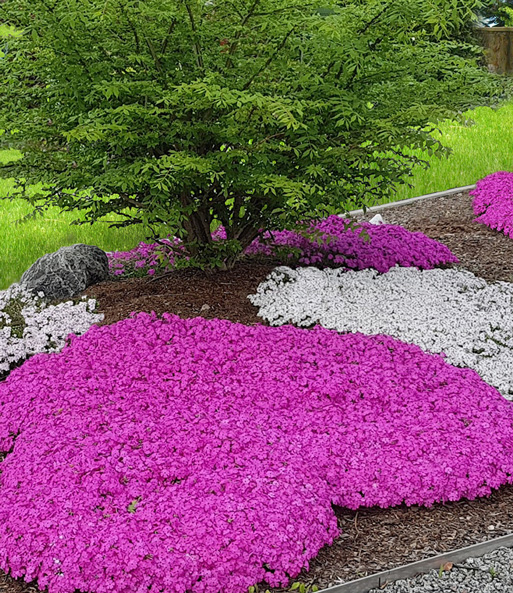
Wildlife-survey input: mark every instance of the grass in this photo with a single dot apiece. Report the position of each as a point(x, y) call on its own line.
point(21, 245)
point(482, 146)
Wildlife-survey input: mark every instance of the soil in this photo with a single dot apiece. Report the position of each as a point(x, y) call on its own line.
point(372, 539)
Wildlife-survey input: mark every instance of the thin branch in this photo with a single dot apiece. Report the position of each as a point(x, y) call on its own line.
point(301, 7)
point(134, 30)
point(381, 73)
point(153, 55)
point(128, 200)
point(196, 46)
point(364, 30)
point(271, 58)
point(353, 75)
point(268, 138)
point(374, 19)
point(330, 66)
point(235, 9)
point(235, 43)
point(116, 34)
point(73, 45)
point(252, 110)
point(168, 34)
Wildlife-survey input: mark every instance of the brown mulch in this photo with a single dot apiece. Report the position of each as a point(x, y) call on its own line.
point(373, 539)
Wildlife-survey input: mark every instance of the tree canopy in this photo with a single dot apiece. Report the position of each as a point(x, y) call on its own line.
point(250, 113)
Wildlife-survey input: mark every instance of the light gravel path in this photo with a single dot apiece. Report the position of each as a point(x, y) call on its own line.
point(492, 573)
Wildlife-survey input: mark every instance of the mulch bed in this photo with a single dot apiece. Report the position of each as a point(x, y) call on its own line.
point(372, 539)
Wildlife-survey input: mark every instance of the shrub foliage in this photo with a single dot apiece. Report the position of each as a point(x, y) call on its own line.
point(248, 113)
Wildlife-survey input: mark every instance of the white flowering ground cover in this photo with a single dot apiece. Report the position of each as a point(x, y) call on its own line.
point(451, 312)
point(28, 326)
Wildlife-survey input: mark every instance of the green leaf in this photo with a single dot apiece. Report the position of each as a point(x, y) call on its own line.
point(132, 506)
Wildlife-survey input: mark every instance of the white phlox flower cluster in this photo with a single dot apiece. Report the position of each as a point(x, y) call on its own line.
point(43, 324)
point(442, 311)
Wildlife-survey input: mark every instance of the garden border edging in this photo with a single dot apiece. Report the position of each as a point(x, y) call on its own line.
point(437, 194)
point(407, 571)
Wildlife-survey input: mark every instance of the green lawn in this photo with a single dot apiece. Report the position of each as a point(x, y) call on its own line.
point(479, 150)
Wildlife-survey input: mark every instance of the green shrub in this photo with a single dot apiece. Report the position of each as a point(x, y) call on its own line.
point(248, 113)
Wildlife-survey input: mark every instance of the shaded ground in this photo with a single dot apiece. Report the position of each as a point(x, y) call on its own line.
point(372, 539)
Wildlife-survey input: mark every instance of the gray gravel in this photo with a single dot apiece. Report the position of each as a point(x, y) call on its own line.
point(492, 573)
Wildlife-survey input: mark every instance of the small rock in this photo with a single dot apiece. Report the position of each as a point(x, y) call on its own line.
point(377, 219)
point(491, 528)
point(205, 308)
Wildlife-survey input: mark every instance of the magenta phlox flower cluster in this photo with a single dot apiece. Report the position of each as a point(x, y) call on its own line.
point(145, 255)
point(388, 246)
point(493, 201)
point(204, 456)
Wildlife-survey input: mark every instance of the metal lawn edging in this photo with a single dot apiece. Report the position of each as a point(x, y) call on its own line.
point(408, 571)
point(437, 194)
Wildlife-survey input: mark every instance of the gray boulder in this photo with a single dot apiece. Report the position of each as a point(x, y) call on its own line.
point(67, 272)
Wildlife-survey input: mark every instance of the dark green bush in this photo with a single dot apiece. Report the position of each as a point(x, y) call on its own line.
point(248, 113)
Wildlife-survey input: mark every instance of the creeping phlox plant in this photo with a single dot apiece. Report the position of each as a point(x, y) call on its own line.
point(204, 456)
point(493, 201)
point(386, 246)
point(144, 259)
point(29, 326)
point(337, 245)
point(417, 306)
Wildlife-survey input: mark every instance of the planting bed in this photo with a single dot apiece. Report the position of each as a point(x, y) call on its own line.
point(371, 539)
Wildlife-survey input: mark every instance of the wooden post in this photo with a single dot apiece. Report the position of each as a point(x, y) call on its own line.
point(498, 44)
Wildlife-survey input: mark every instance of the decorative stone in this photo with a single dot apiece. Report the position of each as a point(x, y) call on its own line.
point(67, 272)
point(377, 219)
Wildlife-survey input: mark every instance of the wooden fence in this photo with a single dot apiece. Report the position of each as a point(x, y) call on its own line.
point(498, 43)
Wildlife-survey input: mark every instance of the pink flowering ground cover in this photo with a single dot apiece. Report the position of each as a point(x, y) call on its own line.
point(204, 455)
point(388, 246)
point(493, 201)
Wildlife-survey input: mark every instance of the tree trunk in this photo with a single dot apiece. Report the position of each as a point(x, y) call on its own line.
point(196, 225)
